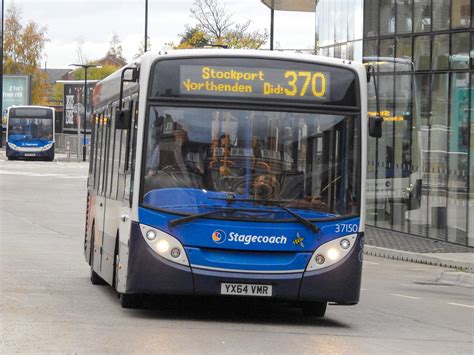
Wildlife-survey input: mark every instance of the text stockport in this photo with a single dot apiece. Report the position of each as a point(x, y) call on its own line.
point(259, 239)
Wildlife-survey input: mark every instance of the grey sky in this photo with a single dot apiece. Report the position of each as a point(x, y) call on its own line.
point(94, 22)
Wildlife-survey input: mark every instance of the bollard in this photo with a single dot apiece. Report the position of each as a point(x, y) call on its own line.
point(68, 149)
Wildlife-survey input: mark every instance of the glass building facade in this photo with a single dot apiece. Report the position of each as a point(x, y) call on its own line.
point(421, 172)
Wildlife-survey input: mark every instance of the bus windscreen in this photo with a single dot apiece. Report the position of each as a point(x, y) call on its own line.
point(255, 79)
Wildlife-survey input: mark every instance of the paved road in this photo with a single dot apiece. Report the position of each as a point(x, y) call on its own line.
point(47, 303)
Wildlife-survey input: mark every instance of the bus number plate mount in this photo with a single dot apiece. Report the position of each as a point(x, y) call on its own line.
point(236, 289)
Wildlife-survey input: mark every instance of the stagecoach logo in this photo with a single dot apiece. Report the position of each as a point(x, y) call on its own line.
point(298, 240)
point(219, 236)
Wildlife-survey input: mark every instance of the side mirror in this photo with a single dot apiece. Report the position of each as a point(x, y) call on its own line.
point(375, 126)
point(122, 118)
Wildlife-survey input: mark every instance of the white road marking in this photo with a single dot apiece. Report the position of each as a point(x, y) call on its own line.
point(363, 289)
point(26, 173)
point(425, 285)
point(461, 305)
point(370, 263)
point(405, 296)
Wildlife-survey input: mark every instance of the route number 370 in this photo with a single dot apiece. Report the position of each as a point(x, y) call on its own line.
point(316, 80)
point(346, 228)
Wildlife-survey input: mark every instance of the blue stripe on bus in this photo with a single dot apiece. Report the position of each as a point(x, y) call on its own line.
point(247, 235)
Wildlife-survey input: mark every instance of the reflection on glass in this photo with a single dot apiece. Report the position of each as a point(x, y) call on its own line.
point(404, 16)
point(440, 52)
point(351, 12)
point(458, 158)
point(341, 20)
point(350, 51)
point(440, 15)
point(402, 175)
point(472, 52)
point(422, 53)
point(418, 217)
point(422, 18)
point(370, 49)
point(203, 155)
point(460, 13)
point(371, 18)
point(387, 17)
point(404, 55)
point(460, 50)
point(437, 157)
point(470, 241)
point(331, 24)
point(372, 143)
point(385, 162)
point(358, 51)
point(386, 55)
point(358, 19)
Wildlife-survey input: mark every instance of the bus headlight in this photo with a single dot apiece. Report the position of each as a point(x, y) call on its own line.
point(164, 245)
point(12, 146)
point(331, 252)
point(48, 146)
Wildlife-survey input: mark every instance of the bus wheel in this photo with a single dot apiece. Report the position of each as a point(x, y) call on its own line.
point(128, 300)
point(95, 278)
point(314, 309)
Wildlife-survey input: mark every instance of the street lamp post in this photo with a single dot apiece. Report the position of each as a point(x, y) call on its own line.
point(145, 44)
point(84, 126)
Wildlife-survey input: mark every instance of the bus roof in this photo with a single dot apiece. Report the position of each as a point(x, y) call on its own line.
point(30, 106)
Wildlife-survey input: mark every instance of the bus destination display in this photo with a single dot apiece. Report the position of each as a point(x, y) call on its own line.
point(31, 112)
point(198, 80)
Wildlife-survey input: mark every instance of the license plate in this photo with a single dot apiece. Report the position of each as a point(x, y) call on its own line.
point(30, 154)
point(246, 289)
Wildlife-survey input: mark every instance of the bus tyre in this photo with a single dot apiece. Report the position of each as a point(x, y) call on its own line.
point(130, 300)
point(95, 278)
point(314, 309)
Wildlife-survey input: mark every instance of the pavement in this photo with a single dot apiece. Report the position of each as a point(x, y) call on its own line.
point(390, 244)
point(458, 259)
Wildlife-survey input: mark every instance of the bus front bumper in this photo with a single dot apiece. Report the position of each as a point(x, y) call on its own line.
point(30, 153)
point(148, 273)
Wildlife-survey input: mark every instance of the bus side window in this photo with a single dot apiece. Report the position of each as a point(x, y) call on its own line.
point(120, 161)
point(91, 154)
point(116, 159)
point(123, 161)
point(107, 155)
point(105, 131)
point(111, 155)
point(131, 142)
point(100, 133)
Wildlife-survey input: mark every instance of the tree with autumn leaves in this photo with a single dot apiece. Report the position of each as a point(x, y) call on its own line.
point(23, 46)
point(216, 27)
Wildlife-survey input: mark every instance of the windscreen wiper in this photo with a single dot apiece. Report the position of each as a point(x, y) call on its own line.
point(314, 228)
point(175, 222)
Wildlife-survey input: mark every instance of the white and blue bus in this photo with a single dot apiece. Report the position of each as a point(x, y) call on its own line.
point(30, 132)
point(233, 173)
